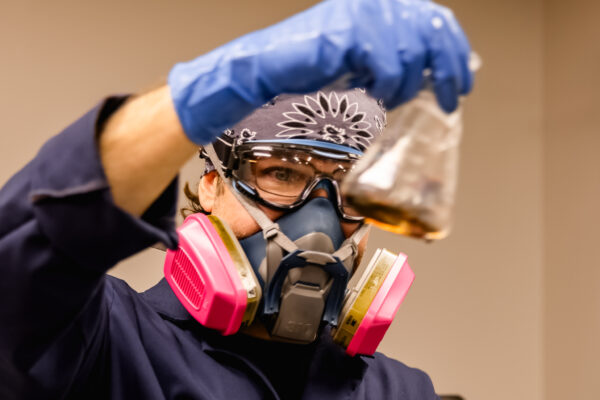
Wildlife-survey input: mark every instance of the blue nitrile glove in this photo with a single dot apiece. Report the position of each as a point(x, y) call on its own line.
point(384, 46)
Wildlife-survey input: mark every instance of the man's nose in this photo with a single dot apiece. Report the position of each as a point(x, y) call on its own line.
point(325, 188)
point(318, 192)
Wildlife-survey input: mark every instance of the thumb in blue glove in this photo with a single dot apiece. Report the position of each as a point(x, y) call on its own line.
point(383, 45)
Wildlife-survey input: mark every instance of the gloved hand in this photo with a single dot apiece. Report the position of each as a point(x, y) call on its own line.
point(382, 45)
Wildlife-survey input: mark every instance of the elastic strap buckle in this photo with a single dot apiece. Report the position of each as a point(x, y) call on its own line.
point(271, 231)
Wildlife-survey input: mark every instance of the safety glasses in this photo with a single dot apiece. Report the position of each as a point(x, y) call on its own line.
point(284, 177)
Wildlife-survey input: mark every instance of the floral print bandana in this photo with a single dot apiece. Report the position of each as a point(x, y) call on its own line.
point(349, 118)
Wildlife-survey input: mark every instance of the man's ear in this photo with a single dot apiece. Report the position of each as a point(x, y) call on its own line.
point(207, 190)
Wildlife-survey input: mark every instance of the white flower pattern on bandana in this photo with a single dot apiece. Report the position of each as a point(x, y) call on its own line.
point(332, 117)
point(245, 135)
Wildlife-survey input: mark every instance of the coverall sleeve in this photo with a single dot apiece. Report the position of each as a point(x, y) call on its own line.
point(60, 231)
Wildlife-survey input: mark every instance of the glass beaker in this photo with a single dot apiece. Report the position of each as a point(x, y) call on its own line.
point(405, 183)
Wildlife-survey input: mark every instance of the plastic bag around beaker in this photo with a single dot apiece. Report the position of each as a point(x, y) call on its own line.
point(406, 181)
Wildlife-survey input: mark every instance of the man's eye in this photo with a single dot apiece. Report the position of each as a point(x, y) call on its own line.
point(281, 174)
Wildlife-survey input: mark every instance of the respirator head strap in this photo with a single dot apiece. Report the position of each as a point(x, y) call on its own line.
point(348, 250)
point(272, 232)
point(270, 229)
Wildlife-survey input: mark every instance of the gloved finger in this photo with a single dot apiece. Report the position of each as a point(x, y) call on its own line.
point(373, 57)
point(413, 66)
point(412, 60)
point(446, 79)
point(388, 76)
point(463, 51)
point(445, 76)
point(445, 63)
point(446, 94)
point(406, 54)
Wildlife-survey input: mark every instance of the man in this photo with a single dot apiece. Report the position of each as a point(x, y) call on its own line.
point(287, 161)
point(104, 189)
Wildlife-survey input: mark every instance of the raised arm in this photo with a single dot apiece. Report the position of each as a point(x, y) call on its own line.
point(60, 232)
point(142, 147)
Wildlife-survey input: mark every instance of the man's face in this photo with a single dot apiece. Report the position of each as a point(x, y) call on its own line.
point(216, 198)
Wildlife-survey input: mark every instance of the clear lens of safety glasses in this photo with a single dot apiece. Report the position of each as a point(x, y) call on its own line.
point(284, 177)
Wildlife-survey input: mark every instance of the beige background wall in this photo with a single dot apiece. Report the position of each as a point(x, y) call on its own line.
point(572, 194)
point(492, 314)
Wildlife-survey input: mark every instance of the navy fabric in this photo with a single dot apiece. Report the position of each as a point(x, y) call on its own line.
point(70, 331)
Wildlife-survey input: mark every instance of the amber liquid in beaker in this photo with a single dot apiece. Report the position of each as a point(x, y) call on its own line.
point(397, 220)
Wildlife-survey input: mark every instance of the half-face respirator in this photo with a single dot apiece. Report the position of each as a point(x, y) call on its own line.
point(299, 273)
point(296, 275)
